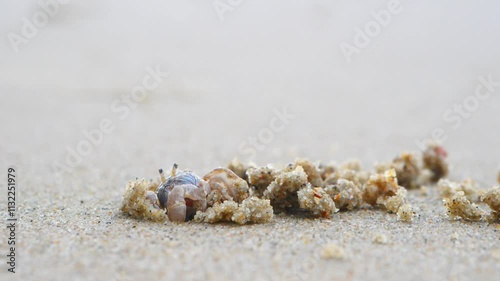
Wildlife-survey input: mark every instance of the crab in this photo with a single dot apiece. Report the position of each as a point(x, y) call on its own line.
point(182, 194)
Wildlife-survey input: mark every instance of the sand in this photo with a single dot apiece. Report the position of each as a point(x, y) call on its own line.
point(74, 229)
point(229, 80)
point(63, 238)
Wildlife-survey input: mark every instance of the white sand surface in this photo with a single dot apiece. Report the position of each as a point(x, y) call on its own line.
point(226, 81)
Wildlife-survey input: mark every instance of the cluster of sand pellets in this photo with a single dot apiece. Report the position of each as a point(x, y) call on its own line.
point(247, 193)
point(412, 172)
point(461, 199)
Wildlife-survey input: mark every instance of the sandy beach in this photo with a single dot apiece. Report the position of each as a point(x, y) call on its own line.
point(106, 93)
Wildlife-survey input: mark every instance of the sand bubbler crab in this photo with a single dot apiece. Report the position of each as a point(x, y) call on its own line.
point(182, 194)
point(219, 196)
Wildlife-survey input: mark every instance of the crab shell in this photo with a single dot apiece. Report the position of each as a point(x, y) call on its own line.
point(183, 195)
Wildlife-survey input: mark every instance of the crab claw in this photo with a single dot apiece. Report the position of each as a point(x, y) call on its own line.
point(184, 200)
point(151, 196)
point(176, 205)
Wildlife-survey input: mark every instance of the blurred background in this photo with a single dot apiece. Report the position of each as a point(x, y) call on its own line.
point(231, 65)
